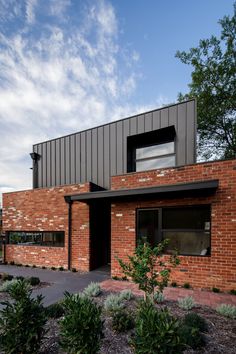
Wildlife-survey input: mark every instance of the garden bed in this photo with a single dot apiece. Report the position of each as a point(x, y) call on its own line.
point(220, 338)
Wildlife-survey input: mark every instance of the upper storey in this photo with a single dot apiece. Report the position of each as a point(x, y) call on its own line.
point(160, 138)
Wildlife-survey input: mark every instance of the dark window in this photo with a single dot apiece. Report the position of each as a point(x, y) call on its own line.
point(27, 238)
point(187, 228)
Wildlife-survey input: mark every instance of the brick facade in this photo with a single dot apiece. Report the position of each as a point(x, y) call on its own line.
point(218, 270)
point(45, 209)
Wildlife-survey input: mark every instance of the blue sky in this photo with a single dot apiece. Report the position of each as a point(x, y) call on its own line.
point(66, 65)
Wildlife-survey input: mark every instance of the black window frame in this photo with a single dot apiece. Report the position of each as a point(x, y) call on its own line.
point(161, 230)
point(41, 244)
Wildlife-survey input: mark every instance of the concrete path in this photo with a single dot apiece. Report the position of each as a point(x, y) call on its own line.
point(201, 297)
point(60, 281)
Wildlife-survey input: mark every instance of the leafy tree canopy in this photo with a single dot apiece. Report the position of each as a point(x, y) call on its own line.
point(214, 86)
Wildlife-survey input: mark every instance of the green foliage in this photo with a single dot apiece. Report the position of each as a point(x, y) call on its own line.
point(148, 269)
point(61, 269)
point(7, 285)
point(126, 294)
point(186, 286)
point(27, 265)
point(81, 327)
point(19, 265)
point(227, 310)
point(6, 276)
point(43, 267)
point(156, 331)
point(215, 290)
point(122, 321)
point(12, 263)
point(187, 303)
point(174, 284)
point(34, 266)
point(53, 268)
point(74, 270)
point(233, 291)
point(22, 321)
point(34, 281)
point(55, 310)
point(192, 319)
point(158, 297)
point(113, 303)
point(214, 85)
point(191, 336)
point(92, 290)
point(20, 277)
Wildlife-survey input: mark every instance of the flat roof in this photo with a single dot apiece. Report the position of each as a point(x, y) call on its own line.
point(197, 188)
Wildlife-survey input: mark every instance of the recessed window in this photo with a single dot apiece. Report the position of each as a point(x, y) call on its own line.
point(187, 228)
point(34, 238)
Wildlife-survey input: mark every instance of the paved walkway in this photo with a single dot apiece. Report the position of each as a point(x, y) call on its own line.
point(201, 297)
point(60, 281)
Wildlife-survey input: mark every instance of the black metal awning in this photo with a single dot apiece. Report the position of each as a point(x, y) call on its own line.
point(179, 190)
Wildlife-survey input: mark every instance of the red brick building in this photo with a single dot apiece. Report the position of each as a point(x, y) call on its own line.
point(91, 219)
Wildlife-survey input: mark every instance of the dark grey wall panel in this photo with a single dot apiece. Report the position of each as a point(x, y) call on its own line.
point(98, 153)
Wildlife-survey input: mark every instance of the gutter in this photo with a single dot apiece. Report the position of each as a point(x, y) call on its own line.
point(69, 202)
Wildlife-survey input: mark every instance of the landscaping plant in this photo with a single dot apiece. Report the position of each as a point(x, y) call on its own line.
point(192, 319)
point(148, 268)
point(156, 331)
point(158, 297)
point(55, 310)
point(126, 294)
point(113, 303)
point(187, 303)
point(22, 321)
point(92, 290)
point(122, 321)
point(34, 281)
point(191, 336)
point(227, 310)
point(81, 329)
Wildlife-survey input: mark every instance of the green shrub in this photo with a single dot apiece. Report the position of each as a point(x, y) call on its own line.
point(191, 336)
point(43, 267)
point(126, 294)
point(148, 269)
point(19, 265)
point(215, 290)
point(122, 321)
point(113, 303)
point(20, 277)
point(92, 290)
point(53, 268)
point(34, 266)
point(186, 286)
point(158, 297)
point(74, 270)
point(22, 321)
point(187, 303)
point(61, 269)
point(192, 319)
point(81, 327)
point(233, 292)
point(227, 310)
point(6, 276)
point(156, 331)
point(27, 265)
point(7, 285)
point(55, 310)
point(34, 281)
point(174, 284)
point(12, 263)
point(115, 277)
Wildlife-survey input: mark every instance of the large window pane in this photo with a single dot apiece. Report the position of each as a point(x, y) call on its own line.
point(144, 165)
point(188, 242)
point(186, 218)
point(148, 225)
point(54, 238)
point(155, 150)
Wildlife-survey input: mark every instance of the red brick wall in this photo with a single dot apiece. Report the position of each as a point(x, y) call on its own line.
point(219, 269)
point(44, 210)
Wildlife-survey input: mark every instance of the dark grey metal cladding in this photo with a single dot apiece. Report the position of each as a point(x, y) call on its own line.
point(98, 153)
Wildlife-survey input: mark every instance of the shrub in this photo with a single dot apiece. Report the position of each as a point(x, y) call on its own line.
point(194, 320)
point(158, 297)
point(12, 263)
point(55, 310)
point(61, 269)
point(215, 290)
point(113, 303)
point(34, 266)
point(173, 284)
point(156, 331)
point(81, 328)
point(19, 265)
point(20, 277)
point(186, 286)
point(126, 294)
point(43, 267)
point(115, 277)
point(6, 276)
point(191, 336)
point(27, 265)
point(187, 303)
point(233, 291)
point(227, 310)
point(74, 270)
point(122, 321)
point(22, 321)
point(92, 290)
point(148, 269)
point(7, 285)
point(53, 268)
point(34, 281)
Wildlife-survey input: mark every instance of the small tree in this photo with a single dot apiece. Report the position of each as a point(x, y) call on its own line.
point(22, 321)
point(148, 268)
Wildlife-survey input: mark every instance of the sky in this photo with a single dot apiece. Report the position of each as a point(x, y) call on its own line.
point(68, 65)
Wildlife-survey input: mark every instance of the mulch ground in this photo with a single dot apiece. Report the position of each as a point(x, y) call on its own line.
point(220, 338)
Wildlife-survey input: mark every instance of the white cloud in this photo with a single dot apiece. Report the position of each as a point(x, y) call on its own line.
point(30, 10)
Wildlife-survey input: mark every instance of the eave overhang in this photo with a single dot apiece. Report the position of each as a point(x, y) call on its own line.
point(179, 190)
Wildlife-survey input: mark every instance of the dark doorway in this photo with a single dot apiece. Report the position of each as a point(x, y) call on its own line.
point(100, 235)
